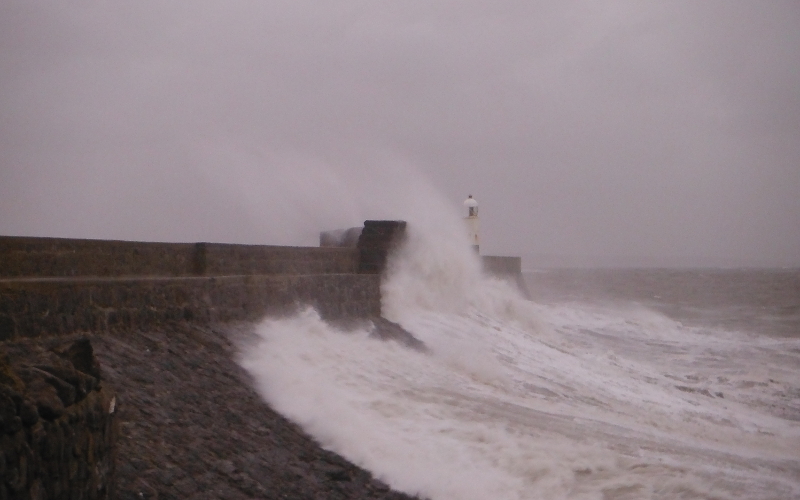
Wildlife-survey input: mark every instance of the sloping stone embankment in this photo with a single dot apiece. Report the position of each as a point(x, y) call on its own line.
point(193, 427)
point(190, 424)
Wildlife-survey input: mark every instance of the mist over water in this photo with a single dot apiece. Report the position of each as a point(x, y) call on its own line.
point(517, 399)
point(612, 133)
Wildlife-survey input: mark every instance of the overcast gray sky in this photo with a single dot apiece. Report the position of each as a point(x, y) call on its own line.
point(591, 132)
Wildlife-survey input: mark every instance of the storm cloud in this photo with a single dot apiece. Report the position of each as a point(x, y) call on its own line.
point(592, 133)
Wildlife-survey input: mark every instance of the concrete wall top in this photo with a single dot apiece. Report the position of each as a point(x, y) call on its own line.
point(228, 259)
point(38, 257)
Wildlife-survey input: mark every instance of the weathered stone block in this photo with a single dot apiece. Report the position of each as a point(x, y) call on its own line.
point(44, 453)
point(63, 257)
point(105, 304)
point(377, 240)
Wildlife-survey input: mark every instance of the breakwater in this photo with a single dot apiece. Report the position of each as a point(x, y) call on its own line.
point(171, 414)
point(64, 257)
point(59, 416)
point(56, 306)
point(55, 286)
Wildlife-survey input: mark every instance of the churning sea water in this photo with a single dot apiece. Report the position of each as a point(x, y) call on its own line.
point(607, 385)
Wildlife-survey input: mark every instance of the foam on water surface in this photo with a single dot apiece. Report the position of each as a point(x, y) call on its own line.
point(518, 400)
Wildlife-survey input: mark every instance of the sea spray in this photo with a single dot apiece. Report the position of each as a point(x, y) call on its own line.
point(405, 415)
point(432, 273)
point(516, 400)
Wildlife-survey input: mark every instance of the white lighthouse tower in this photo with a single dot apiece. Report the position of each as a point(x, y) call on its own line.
point(472, 222)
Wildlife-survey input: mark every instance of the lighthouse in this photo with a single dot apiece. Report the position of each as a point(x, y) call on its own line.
point(472, 222)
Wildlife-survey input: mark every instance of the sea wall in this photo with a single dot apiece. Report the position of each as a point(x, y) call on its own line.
point(376, 242)
point(57, 286)
point(57, 419)
point(57, 306)
point(62, 426)
point(27, 257)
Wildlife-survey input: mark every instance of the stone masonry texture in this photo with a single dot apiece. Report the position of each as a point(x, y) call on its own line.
point(377, 240)
point(28, 257)
point(56, 286)
point(41, 307)
point(58, 423)
point(170, 415)
point(192, 426)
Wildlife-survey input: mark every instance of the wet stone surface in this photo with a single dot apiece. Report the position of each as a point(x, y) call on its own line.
point(57, 423)
point(192, 427)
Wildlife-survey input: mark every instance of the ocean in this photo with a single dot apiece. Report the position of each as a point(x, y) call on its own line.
point(607, 384)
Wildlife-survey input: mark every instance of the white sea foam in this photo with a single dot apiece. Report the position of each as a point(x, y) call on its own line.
point(518, 400)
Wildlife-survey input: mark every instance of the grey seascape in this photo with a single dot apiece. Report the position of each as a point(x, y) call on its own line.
point(756, 301)
point(610, 383)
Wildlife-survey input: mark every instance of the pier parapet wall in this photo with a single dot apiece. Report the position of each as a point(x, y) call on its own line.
point(58, 423)
point(64, 257)
point(54, 286)
point(57, 306)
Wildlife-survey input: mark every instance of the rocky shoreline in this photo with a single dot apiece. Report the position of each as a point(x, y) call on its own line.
point(192, 426)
